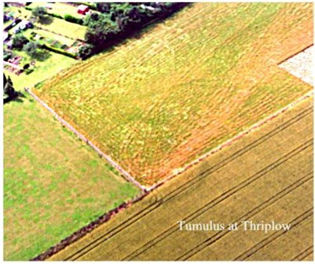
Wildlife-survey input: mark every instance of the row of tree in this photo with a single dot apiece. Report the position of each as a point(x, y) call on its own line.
point(116, 21)
point(113, 22)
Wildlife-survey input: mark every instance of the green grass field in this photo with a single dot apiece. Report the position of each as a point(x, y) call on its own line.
point(189, 84)
point(65, 28)
point(53, 183)
point(49, 35)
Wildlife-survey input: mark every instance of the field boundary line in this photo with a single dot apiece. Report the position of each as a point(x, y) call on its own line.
point(293, 55)
point(64, 123)
point(87, 228)
point(227, 143)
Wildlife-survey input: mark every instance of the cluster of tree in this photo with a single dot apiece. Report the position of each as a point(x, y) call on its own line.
point(31, 49)
point(18, 41)
point(40, 13)
point(116, 21)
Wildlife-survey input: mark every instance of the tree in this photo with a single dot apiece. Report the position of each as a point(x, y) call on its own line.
point(103, 7)
point(85, 51)
point(31, 49)
point(100, 29)
point(39, 12)
point(35, 51)
point(19, 41)
point(8, 88)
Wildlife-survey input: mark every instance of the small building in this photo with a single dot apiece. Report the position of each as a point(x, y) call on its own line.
point(25, 24)
point(148, 7)
point(83, 9)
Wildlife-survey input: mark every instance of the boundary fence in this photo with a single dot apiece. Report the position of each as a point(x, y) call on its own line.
point(125, 174)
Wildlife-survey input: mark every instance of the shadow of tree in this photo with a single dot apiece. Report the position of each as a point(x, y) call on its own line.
point(18, 98)
point(46, 20)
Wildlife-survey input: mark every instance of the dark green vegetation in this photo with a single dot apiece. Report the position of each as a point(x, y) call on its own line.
point(8, 89)
point(115, 22)
point(108, 23)
point(40, 13)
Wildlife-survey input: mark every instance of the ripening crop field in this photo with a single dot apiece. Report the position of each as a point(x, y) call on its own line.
point(161, 100)
point(227, 187)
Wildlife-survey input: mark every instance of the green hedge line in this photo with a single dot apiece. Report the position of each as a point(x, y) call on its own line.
point(60, 51)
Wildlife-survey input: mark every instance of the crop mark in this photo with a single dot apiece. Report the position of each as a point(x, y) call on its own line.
point(219, 199)
point(190, 183)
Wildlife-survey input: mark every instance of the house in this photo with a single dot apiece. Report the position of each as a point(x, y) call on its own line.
point(23, 25)
point(83, 9)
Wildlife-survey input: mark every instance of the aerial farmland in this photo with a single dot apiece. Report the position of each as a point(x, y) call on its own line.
point(163, 100)
point(158, 117)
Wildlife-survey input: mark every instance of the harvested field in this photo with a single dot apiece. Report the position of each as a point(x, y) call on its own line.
point(230, 186)
point(189, 84)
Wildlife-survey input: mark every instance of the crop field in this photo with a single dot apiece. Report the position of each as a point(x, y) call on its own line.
point(189, 84)
point(53, 183)
point(228, 187)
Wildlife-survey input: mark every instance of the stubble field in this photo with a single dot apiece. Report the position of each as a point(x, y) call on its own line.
point(160, 101)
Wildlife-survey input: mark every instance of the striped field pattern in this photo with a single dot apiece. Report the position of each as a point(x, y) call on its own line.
point(228, 187)
point(160, 101)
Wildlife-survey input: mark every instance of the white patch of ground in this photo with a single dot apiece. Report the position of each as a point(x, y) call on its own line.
point(300, 65)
